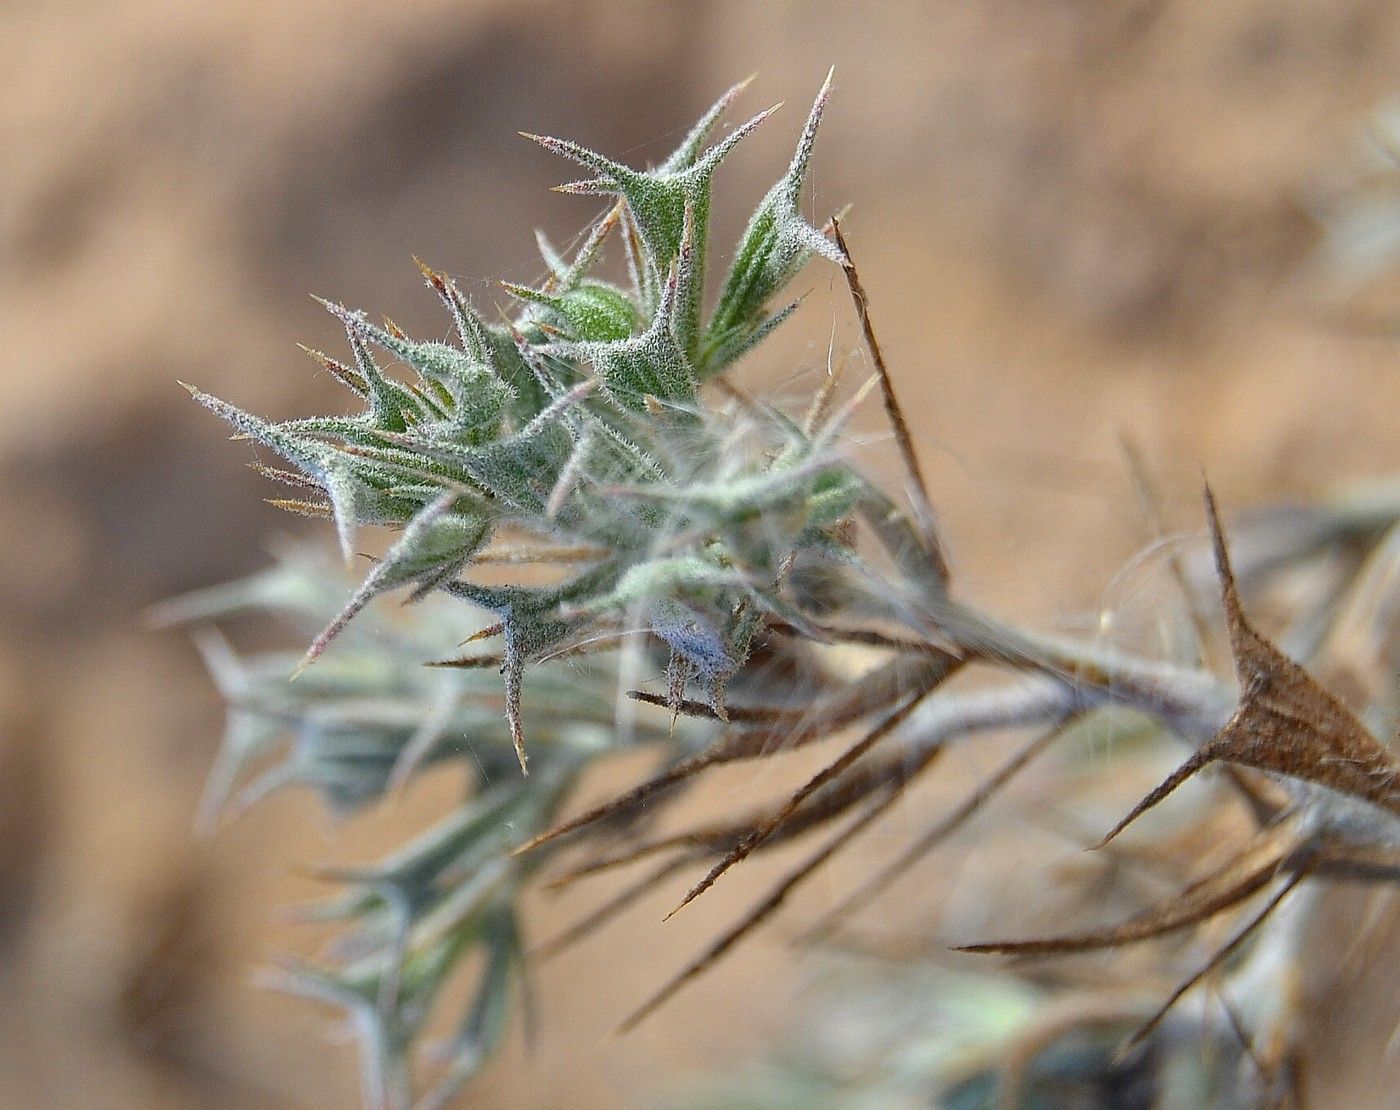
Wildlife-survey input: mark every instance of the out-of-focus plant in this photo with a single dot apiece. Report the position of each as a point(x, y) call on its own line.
point(1362, 223)
point(586, 475)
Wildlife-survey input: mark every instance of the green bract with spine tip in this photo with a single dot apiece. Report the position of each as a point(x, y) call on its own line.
point(776, 244)
point(663, 201)
point(593, 311)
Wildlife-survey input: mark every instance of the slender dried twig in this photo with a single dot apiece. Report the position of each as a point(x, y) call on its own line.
point(789, 730)
point(1224, 888)
point(1220, 956)
point(825, 805)
point(760, 913)
point(895, 412)
point(816, 782)
point(936, 835)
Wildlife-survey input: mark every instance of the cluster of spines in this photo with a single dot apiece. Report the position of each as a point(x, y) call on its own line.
point(581, 421)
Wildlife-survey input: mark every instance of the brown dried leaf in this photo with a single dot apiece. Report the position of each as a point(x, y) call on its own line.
point(761, 912)
point(838, 766)
point(1222, 954)
point(785, 729)
point(945, 828)
point(1287, 723)
point(732, 746)
point(824, 806)
point(933, 546)
point(1223, 888)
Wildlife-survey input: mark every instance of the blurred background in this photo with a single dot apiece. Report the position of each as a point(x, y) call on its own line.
point(1076, 220)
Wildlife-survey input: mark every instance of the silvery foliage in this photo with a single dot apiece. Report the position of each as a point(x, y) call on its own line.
point(579, 432)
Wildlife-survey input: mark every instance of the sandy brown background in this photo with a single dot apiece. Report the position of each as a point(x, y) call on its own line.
point(1075, 219)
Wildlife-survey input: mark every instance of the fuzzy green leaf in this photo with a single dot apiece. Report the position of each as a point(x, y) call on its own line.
point(776, 244)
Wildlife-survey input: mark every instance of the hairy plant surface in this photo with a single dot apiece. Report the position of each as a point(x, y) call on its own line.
point(584, 482)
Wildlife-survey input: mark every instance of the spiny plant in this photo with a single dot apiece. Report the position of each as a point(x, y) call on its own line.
point(579, 424)
point(658, 526)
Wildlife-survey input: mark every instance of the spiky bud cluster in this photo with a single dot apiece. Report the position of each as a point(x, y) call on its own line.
point(581, 426)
